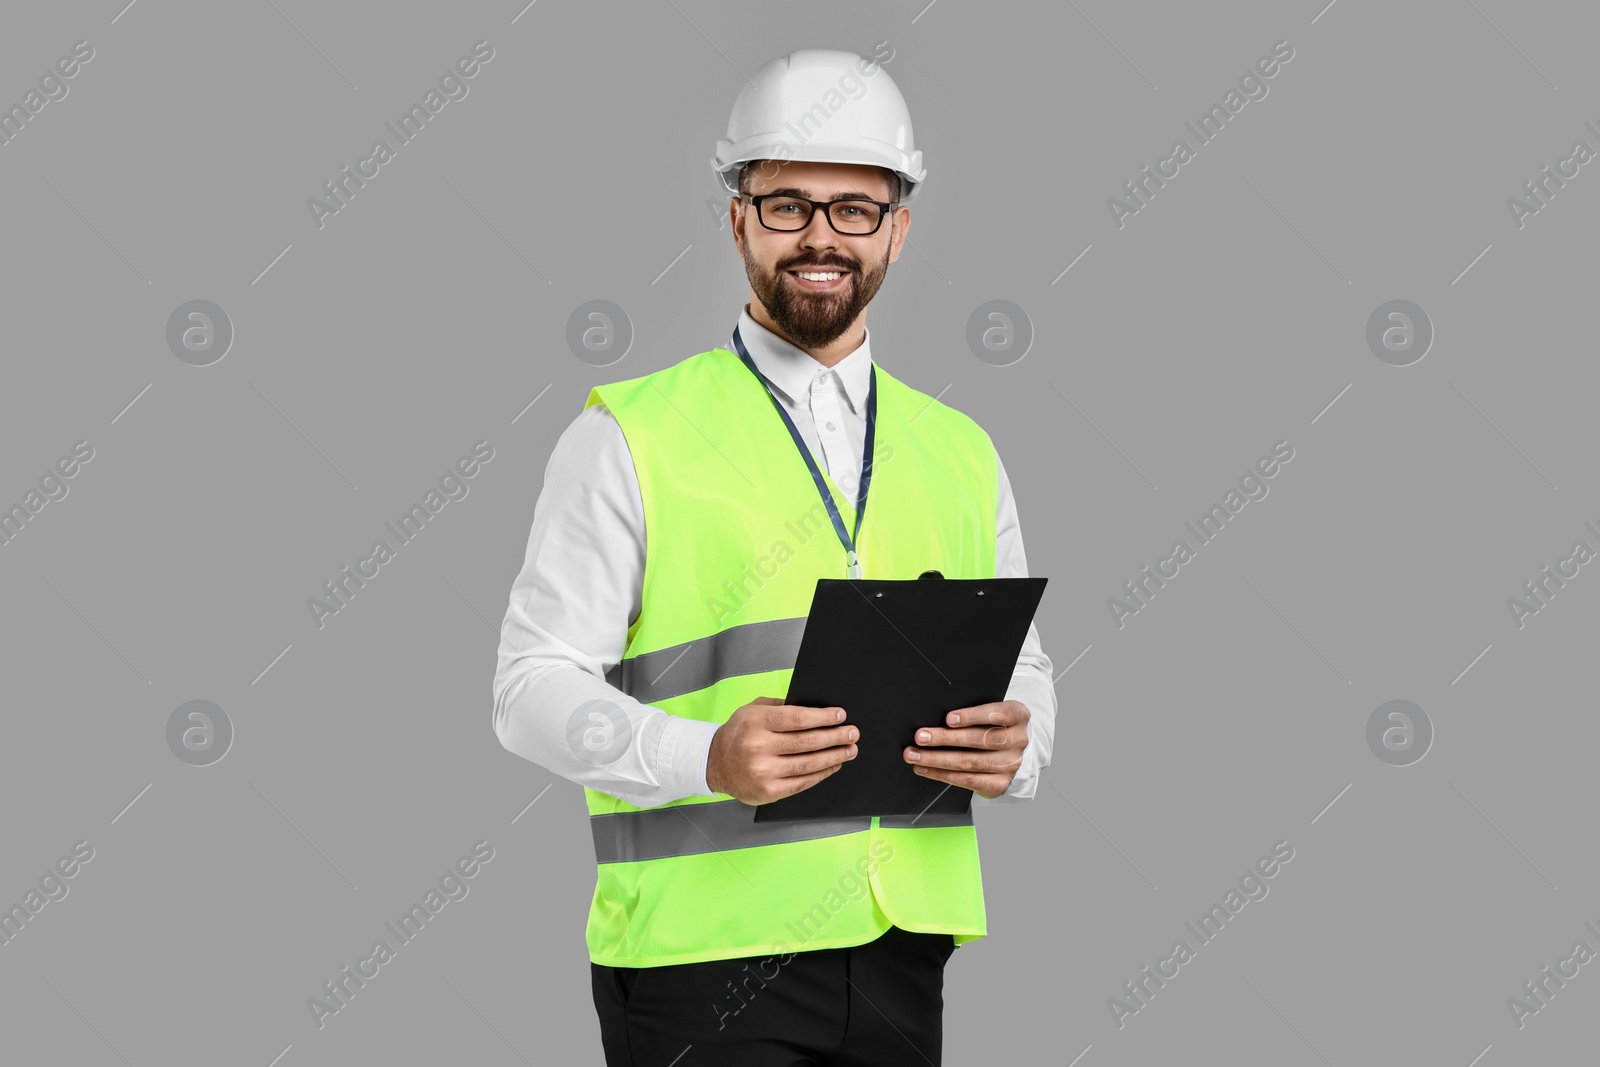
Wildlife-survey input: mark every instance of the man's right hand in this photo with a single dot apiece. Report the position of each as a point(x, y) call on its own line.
point(768, 750)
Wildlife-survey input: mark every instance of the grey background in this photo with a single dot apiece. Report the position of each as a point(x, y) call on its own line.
point(1227, 315)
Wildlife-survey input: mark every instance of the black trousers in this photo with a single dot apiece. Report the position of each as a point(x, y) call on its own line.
point(876, 1004)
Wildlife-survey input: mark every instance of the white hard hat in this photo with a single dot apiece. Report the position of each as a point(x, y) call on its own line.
point(821, 106)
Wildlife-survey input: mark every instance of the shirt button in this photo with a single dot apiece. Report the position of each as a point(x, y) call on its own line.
point(831, 426)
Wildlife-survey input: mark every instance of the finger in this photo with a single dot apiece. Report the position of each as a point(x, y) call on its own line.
point(811, 762)
point(804, 782)
point(955, 760)
point(989, 737)
point(795, 741)
point(795, 717)
point(1003, 713)
point(985, 785)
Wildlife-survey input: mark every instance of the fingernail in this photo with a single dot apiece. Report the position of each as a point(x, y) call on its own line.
point(920, 770)
point(853, 733)
point(913, 754)
point(839, 717)
point(924, 736)
point(955, 720)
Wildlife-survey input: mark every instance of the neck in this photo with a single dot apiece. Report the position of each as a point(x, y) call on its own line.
point(828, 354)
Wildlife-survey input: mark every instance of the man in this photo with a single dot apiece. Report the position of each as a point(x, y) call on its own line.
point(685, 519)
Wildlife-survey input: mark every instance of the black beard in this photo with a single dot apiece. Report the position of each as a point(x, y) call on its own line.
point(809, 319)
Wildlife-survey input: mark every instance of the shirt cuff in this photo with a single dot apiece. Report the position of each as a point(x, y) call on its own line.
point(681, 756)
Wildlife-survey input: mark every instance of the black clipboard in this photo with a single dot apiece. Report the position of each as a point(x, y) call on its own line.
point(898, 655)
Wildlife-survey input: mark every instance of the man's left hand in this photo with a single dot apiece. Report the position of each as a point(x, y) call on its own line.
point(999, 731)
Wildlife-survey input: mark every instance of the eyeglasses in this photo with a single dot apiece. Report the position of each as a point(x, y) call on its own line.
point(854, 217)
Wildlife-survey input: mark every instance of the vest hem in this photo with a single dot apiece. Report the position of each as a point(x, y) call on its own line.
point(763, 951)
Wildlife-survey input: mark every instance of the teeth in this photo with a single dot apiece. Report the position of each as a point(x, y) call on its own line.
point(816, 276)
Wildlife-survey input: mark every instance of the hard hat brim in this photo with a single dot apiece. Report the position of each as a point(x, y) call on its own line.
point(730, 158)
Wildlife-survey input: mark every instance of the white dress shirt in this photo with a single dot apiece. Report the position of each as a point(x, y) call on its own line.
point(579, 590)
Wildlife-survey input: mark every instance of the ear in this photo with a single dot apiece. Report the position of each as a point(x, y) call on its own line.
point(901, 221)
point(736, 216)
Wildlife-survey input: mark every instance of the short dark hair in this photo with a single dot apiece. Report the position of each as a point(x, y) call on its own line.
point(890, 176)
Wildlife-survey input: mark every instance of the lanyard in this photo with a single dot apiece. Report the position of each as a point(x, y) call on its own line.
point(845, 539)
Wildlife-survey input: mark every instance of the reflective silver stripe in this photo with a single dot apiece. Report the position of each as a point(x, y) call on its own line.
point(932, 818)
point(693, 829)
point(749, 649)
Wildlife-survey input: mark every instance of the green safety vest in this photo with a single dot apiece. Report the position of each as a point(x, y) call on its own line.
point(736, 538)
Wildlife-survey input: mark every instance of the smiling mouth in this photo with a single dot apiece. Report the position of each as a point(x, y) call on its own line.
point(819, 280)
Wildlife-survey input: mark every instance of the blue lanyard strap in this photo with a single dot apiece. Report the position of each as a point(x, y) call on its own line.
point(845, 539)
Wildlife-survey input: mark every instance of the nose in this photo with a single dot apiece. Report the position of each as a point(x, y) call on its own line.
point(818, 232)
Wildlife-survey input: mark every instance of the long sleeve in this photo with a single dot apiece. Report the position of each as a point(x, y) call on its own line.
point(566, 625)
point(1031, 681)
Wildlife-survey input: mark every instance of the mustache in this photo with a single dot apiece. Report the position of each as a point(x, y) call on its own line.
point(823, 263)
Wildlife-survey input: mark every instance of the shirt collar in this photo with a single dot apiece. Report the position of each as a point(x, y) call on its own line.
point(792, 369)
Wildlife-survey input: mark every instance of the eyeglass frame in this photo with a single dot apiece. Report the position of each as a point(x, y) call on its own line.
point(883, 206)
